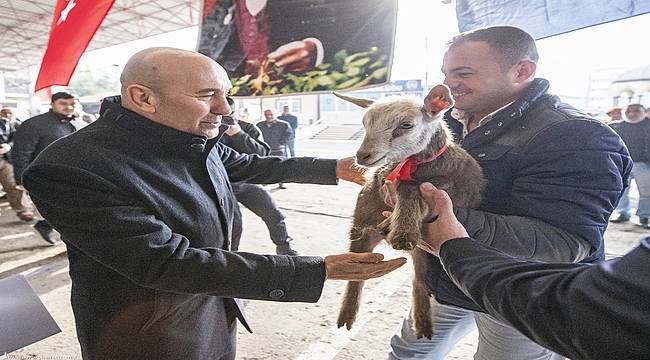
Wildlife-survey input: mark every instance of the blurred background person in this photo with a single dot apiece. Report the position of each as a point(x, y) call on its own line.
point(16, 195)
point(635, 132)
point(34, 135)
point(276, 134)
point(245, 138)
point(615, 114)
point(292, 120)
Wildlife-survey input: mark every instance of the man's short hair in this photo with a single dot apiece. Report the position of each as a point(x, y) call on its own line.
point(268, 109)
point(61, 95)
point(511, 43)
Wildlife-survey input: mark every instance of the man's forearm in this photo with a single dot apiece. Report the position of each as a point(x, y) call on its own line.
point(523, 237)
point(578, 310)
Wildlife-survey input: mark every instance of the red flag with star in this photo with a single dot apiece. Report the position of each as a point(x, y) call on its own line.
point(73, 26)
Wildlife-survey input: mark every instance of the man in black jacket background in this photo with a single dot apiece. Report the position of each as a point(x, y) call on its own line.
point(34, 135)
point(245, 138)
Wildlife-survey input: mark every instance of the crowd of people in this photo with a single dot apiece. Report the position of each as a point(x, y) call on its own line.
point(526, 268)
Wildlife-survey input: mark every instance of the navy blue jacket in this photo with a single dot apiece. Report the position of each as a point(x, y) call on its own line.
point(147, 214)
point(581, 311)
point(554, 176)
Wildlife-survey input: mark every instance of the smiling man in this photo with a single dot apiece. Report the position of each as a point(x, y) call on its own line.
point(554, 177)
point(143, 201)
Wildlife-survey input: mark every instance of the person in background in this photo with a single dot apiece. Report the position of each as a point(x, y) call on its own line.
point(581, 311)
point(276, 134)
point(37, 133)
point(615, 114)
point(16, 195)
point(245, 138)
point(635, 132)
point(292, 120)
point(143, 202)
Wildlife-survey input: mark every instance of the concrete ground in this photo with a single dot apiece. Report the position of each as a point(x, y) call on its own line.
point(318, 218)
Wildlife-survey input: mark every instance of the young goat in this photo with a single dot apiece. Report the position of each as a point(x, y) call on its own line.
point(408, 142)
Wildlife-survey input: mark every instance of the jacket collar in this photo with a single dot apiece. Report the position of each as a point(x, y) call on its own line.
point(501, 119)
point(164, 136)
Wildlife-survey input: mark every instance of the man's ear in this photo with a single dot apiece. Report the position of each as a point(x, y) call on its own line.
point(525, 70)
point(141, 97)
point(438, 99)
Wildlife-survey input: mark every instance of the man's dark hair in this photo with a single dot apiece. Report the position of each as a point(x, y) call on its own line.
point(511, 43)
point(61, 95)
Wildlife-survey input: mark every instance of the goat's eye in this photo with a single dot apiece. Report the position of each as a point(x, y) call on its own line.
point(405, 125)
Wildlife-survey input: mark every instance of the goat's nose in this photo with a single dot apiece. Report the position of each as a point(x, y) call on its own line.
point(362, 157)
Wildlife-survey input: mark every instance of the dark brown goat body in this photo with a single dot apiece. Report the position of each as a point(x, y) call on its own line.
point(454, 171)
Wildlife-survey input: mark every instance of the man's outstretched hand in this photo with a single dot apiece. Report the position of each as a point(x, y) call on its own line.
point(359, 266)
point(347, 169)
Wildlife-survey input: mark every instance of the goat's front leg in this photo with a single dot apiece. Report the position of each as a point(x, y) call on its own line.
point(421, 302)
point(364, 241)
point(406, 219)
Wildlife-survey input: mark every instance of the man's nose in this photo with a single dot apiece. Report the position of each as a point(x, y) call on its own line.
point(220, 106)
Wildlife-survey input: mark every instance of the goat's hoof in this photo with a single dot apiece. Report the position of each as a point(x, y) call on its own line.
point(424, 333)
point(408, 246)
point(384, 227)
point(345, 320)
point(423, 327)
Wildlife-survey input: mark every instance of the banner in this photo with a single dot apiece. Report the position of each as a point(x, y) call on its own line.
point(73, 26)
point(544, 18)
point(298, 46)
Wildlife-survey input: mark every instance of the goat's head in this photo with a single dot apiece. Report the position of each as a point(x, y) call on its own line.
point(397, 128)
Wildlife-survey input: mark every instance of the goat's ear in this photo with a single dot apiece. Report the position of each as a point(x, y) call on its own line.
point(364, 103)
point(439, 99)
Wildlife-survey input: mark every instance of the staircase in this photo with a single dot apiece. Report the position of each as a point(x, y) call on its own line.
point(340, 132)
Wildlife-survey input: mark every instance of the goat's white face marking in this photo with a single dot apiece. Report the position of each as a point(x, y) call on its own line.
point(395, 129)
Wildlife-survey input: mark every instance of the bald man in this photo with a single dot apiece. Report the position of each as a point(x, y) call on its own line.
point(147, 214)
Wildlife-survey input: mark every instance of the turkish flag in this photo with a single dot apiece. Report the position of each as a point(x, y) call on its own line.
point(73, 26)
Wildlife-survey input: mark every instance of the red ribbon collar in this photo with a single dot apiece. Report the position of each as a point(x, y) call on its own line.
point(407, 167)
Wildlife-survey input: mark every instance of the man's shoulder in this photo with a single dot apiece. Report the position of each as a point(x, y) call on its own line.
point(282, 123)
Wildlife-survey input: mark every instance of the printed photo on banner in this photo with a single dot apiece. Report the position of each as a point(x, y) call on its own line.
point(273, 47)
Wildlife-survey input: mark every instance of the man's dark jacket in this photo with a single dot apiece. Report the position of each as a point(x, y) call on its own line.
point(554, 175)
point(146, 212)
point(636, 137)
point(34, 135)
point(581, 311)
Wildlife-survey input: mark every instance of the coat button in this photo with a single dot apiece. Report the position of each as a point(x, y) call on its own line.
point(276, 294)
point(500, 123)
point(487, 132)
point(481, 155)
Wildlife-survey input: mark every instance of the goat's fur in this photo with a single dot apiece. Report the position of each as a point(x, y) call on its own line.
point(396, 129)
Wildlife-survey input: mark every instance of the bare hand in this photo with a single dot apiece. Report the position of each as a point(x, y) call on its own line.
point(4, 148)
point(359, 266)
point(233, 130)
point(445, 227)
point(389, 189)
point(347, 169)
point(296, 55)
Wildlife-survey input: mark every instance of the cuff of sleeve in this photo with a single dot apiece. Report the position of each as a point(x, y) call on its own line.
point(308, 283)
point(320, 51)
point(304, 283)
point(323, 171)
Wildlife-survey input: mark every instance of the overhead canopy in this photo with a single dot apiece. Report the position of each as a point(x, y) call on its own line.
point(25, 26)
point(544, 18)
